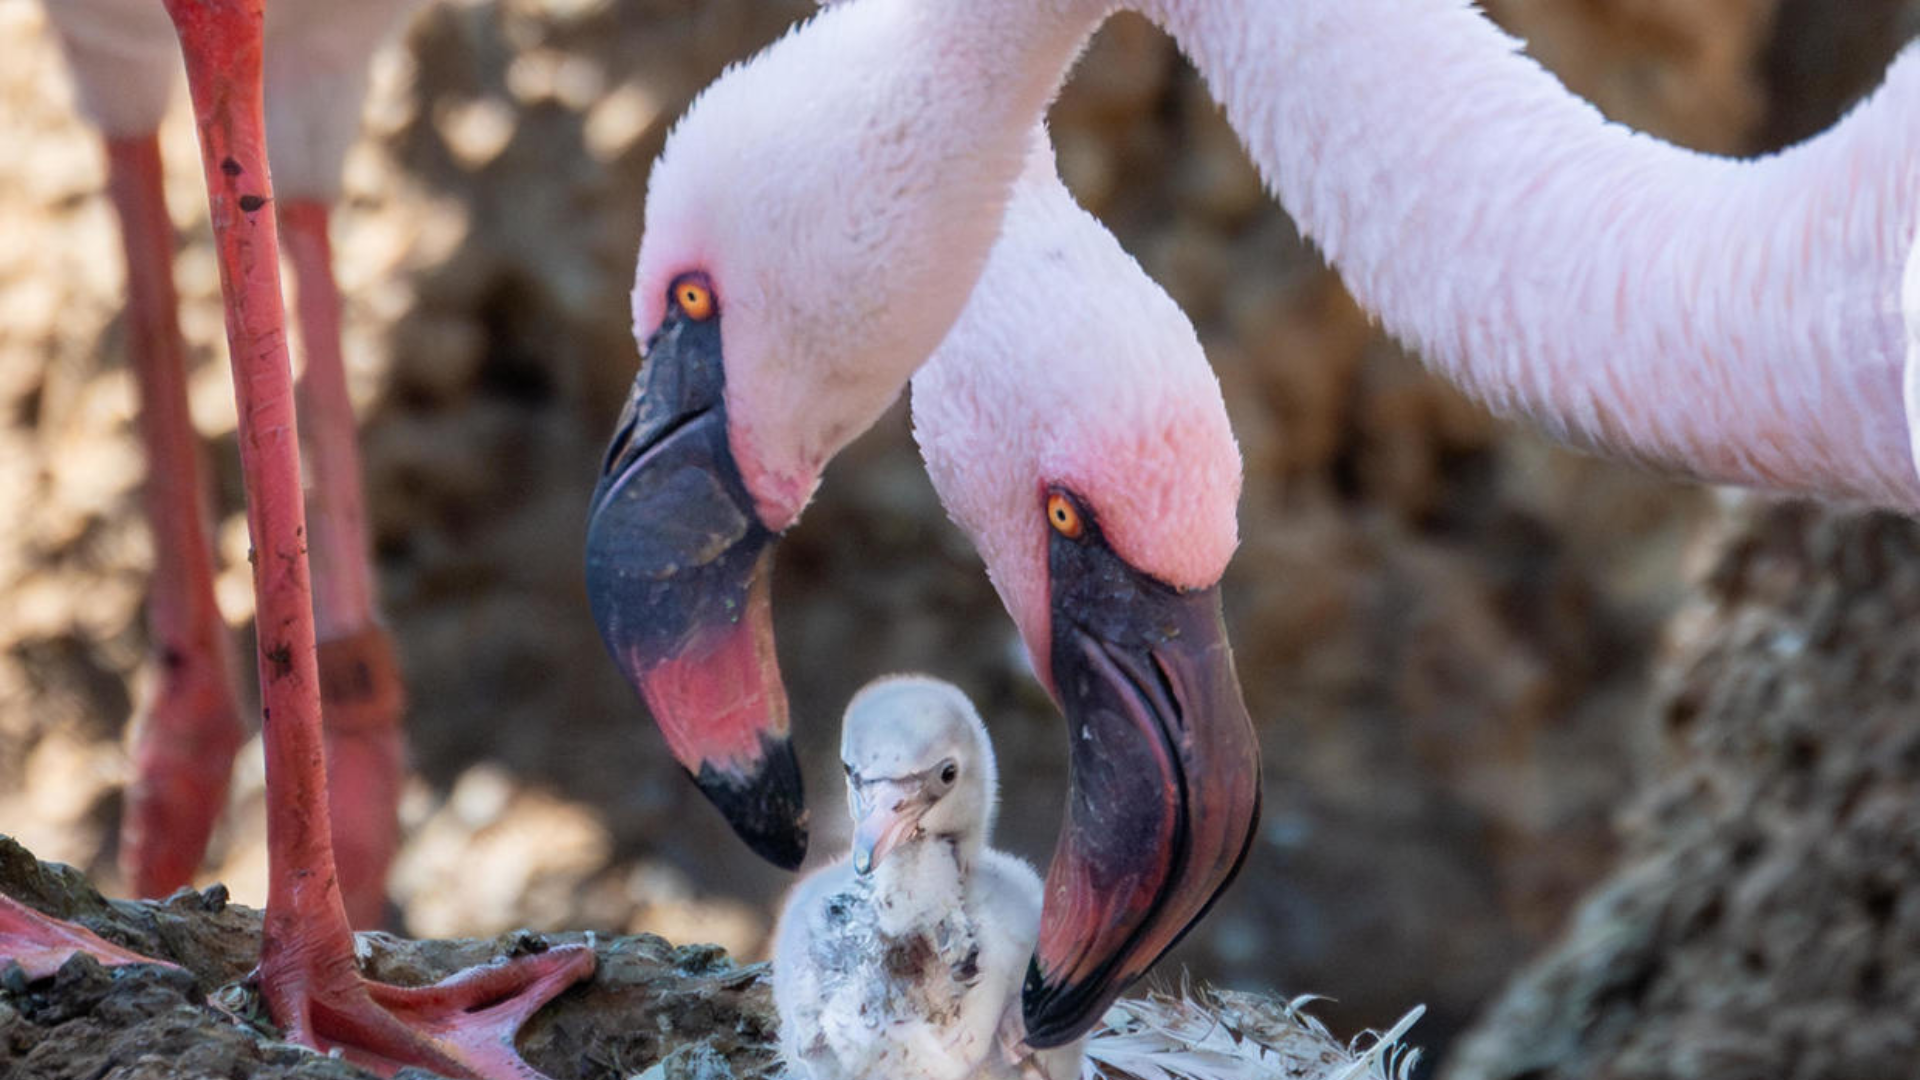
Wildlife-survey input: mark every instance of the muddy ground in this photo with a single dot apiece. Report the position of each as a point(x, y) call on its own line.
point(1448, 629)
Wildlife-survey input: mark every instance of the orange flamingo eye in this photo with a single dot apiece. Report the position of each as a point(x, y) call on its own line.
point(694, 298)
point(1064, 516)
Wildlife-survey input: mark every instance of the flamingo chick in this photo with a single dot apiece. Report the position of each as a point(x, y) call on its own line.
point(903, 962)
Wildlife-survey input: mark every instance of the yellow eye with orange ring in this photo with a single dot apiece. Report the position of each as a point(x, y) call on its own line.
point(694, 296)
point(1064, 516)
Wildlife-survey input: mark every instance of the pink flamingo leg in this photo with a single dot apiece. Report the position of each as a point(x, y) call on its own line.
point(361, 692)
point(184, 745)
point(40, 943)
point(460, 1027)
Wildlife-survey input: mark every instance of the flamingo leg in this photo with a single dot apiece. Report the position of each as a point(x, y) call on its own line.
point(361, 691)
point(185, 742)
point(464, 1025)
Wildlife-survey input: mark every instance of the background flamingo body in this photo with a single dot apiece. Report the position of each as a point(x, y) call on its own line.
point(318, 57)
point(125, 60)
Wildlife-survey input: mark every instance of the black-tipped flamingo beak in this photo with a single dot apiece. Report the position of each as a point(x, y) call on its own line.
point(1165, 781)
point(678, 567)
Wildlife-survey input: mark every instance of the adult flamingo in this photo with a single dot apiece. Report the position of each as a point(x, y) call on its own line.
point(1558, 266)
point(1075, 432)
point(124, 56)
point(464, 1025)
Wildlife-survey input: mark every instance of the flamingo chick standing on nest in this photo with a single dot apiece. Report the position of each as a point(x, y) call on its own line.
point(902, 962)
point(905, 960)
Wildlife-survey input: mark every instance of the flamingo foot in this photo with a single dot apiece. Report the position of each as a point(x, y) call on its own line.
point(40, 943)
point(462, 1026)
point(183, 757)
point(363, 702)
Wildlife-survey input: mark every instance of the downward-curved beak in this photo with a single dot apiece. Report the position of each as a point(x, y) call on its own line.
point(885, 812)
point(1165, 783)
point(678, 567)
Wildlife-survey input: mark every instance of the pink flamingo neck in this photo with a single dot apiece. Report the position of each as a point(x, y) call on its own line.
point(1734, 320)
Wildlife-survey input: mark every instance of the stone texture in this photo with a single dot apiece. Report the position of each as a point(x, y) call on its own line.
point(1765, 920)
point(647, 1001)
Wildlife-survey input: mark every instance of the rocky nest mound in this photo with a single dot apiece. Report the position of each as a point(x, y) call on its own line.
point(651, 1009)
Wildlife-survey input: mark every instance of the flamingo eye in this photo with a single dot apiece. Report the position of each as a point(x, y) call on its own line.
point(694, 296)
point(1064, 516)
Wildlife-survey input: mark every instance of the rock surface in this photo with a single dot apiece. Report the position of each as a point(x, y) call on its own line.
point(650, 1011)
point(689, 1012)
point(1766, 918)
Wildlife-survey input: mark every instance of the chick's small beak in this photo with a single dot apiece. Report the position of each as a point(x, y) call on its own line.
point(678, 568)
point(1165, 785)
point(886, 812)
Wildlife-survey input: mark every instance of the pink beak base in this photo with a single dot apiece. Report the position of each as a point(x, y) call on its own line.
point(892, 819)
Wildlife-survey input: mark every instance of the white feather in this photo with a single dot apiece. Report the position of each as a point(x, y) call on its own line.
point(1227, 1035)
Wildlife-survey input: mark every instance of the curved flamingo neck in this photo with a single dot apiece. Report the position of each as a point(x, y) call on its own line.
point(841, 190)
point(1738, 321)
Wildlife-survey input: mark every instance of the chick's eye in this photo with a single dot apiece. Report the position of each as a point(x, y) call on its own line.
point(949, 773)
point(1064, 516)
point(694, 296)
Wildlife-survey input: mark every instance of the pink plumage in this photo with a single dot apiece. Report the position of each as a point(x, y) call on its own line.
point(1069, 367)
point(1738, 321)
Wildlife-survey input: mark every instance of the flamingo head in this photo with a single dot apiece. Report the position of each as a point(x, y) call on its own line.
point(919, 765)
point(808, 243)
point(1075, 431)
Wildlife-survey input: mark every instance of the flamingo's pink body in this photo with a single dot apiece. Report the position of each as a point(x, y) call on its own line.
point(125, 57)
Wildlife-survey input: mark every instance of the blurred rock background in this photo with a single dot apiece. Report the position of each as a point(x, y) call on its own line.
point(1448, 629)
